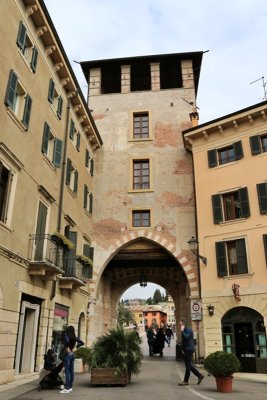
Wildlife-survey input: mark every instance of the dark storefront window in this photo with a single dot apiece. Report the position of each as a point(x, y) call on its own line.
point(60, 323)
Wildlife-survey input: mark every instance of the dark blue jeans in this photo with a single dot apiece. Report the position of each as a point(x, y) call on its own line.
point(69, 369)
point(189, 367)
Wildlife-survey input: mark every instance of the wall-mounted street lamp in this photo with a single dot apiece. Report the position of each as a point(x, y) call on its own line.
point(193, 245)
point(210, 310)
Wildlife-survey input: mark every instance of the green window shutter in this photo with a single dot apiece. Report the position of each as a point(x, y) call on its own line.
point(244, 203)
point(45, 141)
point(86, 250)
point(78, 141)
point(88, 272)
point(262, 197)
point(71, 263)
point(87, 157)
point(217, 208)
point(91, 203)
point(11, 90)
point(71, 134)
point(255, 144)
point(221, 259)
point(75, 186)
point(27, 111)
point(91, 253)
point(92, 166)
point(51, 91)
point(34, 59)
point(68, 172)
point(59, 107)
point(242, 264)
point(265, 246)
point(57, 153)
point(85, 197)
point(238, 150)
point(21, 38)
point(212, 158)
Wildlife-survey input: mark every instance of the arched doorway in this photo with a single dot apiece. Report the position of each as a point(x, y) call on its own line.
point(134, 260)
point(244, 334)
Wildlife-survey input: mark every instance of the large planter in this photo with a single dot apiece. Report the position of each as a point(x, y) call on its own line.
point(108, 376)
point(224, 384)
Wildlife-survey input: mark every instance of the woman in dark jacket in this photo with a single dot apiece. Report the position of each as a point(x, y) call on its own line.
point(70, 341)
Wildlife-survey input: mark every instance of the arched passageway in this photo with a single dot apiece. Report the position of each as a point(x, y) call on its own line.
point(133, 260)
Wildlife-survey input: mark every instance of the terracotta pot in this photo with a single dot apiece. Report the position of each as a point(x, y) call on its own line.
point(224, 385)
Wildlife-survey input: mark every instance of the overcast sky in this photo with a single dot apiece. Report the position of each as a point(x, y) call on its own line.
point(234, 32)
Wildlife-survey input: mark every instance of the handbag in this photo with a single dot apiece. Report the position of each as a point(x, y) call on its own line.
point(62, 353)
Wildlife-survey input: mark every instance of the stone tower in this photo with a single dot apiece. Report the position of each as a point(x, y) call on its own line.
point(144, 212)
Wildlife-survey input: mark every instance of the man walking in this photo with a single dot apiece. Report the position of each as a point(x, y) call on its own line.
point(188, 348)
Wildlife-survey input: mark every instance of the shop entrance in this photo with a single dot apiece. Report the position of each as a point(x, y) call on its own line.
point(244, 334)
point(27, 338)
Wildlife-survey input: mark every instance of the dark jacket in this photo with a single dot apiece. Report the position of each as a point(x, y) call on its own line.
point(150, 336)
point(188, 345)
point(49, 361)
point(160, 338)
point(78, 343)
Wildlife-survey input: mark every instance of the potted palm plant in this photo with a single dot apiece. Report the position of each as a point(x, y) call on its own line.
point(222, 366)
point(114, 357)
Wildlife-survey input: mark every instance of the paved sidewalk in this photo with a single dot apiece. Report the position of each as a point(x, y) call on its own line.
point(158, 379)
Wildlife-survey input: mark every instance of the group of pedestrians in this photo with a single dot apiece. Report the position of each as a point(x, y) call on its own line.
point(156, 341)
point(157, 337)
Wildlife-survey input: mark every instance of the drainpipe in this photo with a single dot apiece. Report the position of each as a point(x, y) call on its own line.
point(194, 119)
point(61, 192)
point(63, 169)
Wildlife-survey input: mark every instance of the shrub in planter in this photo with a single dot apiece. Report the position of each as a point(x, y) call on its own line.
point(222, 364)
point(118, 349)
point(84, 354)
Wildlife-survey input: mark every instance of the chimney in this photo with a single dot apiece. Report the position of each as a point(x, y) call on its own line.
point(194, 117)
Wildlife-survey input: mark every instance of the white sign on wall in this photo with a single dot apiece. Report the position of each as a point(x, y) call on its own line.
point(196, 310)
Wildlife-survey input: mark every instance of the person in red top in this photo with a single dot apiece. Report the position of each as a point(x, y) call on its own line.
point(71, 340)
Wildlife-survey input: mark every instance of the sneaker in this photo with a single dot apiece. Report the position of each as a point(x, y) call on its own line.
point(65, 391)
point(200, 379)
point(70, 390)
point(183, 383)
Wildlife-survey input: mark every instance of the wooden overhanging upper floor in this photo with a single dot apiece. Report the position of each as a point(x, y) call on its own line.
point(228, 123)
point(46, 32)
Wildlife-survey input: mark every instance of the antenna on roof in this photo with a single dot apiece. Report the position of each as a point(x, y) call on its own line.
point(264, 87)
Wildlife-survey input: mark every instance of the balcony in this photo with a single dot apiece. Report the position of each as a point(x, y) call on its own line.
point(46, 257)
point(74, 275)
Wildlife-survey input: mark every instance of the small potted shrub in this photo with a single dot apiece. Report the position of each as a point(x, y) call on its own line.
point(222, 366)
point(84, 354)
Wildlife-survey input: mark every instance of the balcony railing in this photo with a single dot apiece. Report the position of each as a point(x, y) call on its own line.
point(43, 250)
point(48, 257)
point(74, 269)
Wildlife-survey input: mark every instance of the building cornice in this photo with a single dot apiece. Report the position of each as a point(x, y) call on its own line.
point(45, 30)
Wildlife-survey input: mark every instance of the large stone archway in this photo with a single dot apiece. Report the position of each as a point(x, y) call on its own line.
point(127, 258)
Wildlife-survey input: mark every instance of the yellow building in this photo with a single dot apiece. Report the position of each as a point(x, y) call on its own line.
point(229, 156)
point(48, 142)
